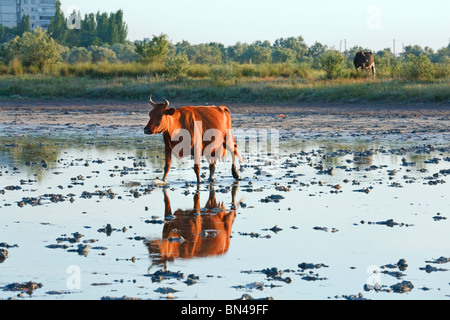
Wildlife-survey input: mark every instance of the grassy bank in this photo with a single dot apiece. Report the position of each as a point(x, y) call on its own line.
point(245, 89)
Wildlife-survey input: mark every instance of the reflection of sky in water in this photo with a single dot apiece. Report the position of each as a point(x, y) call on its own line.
point(130, 164)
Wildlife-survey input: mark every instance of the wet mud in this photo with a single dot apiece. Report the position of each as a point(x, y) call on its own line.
point(353, 204)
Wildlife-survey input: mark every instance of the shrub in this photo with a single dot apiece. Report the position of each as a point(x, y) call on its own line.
point(102, 54)
point(154, 50)
point(199, 71)
point(125, 52)
point(333, 63)
point(418, 68)
point(79, 55)
point(177, 66)
point(36, 48)
point(221, 74)
point(16, 67)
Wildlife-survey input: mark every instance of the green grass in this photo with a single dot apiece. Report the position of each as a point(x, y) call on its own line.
point(245, 89)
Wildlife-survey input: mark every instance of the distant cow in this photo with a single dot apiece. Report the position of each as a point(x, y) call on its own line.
point(364, 60)
point(194, 131)
point(194, 233)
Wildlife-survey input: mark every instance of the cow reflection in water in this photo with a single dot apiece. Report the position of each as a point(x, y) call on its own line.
point(200, 232)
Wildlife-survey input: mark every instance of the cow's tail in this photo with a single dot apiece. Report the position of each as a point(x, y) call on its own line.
point(236, 153)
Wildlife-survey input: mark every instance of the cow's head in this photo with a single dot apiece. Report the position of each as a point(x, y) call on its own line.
point(159, 115)
point(363, 60)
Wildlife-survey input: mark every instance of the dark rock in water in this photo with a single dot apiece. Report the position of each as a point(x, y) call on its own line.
point(428, 268)
point(354, 297)
point(162, 274)
point(166, 290)
point(121, 298)
point(275, 229)
point(402, 264)
point(272, 198)
point(440, 260)
point(27, 287)
point(438, 217)
point(305, 265)
point(57, 246)
point(83, 249)
point(7, 246)
point(402, 287)
point(191, 279)
point(3, 255)
point(108, 229)
point(154, 221)
point(246, 296)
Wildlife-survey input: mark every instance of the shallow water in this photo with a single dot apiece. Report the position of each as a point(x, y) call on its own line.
point(132, 233)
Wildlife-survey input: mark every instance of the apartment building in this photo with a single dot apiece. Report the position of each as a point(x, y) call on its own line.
point(39, 11)
point(8, 13)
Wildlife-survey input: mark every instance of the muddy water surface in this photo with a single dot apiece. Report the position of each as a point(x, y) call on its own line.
point(83, 214)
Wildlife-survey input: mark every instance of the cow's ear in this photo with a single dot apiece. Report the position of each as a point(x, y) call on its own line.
point(170, 111)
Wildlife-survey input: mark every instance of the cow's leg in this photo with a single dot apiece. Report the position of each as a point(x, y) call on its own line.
point(212, 169)
point(197, 172)
point(374, 72)
point(168, 153)
point(234, 170)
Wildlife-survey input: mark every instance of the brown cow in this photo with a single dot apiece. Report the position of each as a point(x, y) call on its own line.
point(194, 131)
point(200, 232)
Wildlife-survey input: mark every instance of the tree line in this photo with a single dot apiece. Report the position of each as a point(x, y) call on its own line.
point(102, 38)
point(74, 31)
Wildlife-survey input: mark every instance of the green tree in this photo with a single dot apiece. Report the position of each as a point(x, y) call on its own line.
point(296, 44)
point(36, 48)
point(333, 63)
point(88, 35)
point(236, 53)
point(155, 50)
point(222, 74)
point(205, 54)
point(79, 55)
point(23, 26)
point(58, 27)
point(281, 54)
point(442, 55)
point(5, 34)
point(125, 52)
point(416, 50)
point(258, 52)
point(315, 51)
point(418, 67)
point(102, 54)
point(177, 66)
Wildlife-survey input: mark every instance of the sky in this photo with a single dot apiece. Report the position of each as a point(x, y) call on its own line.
point(372, 24)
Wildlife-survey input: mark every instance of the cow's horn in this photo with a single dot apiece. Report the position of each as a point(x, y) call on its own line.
point(151, 101)
point(167, 103)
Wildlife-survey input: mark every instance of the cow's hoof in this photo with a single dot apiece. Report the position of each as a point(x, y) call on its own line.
point(236, 175)
point(211, 180)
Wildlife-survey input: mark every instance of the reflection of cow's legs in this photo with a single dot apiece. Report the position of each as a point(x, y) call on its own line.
point(168, 153)
point(197, 200)
point(167, 208)
point(211, 203)
point(234, 190)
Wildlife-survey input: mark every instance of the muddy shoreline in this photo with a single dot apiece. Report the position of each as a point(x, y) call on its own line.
point(322, 118)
